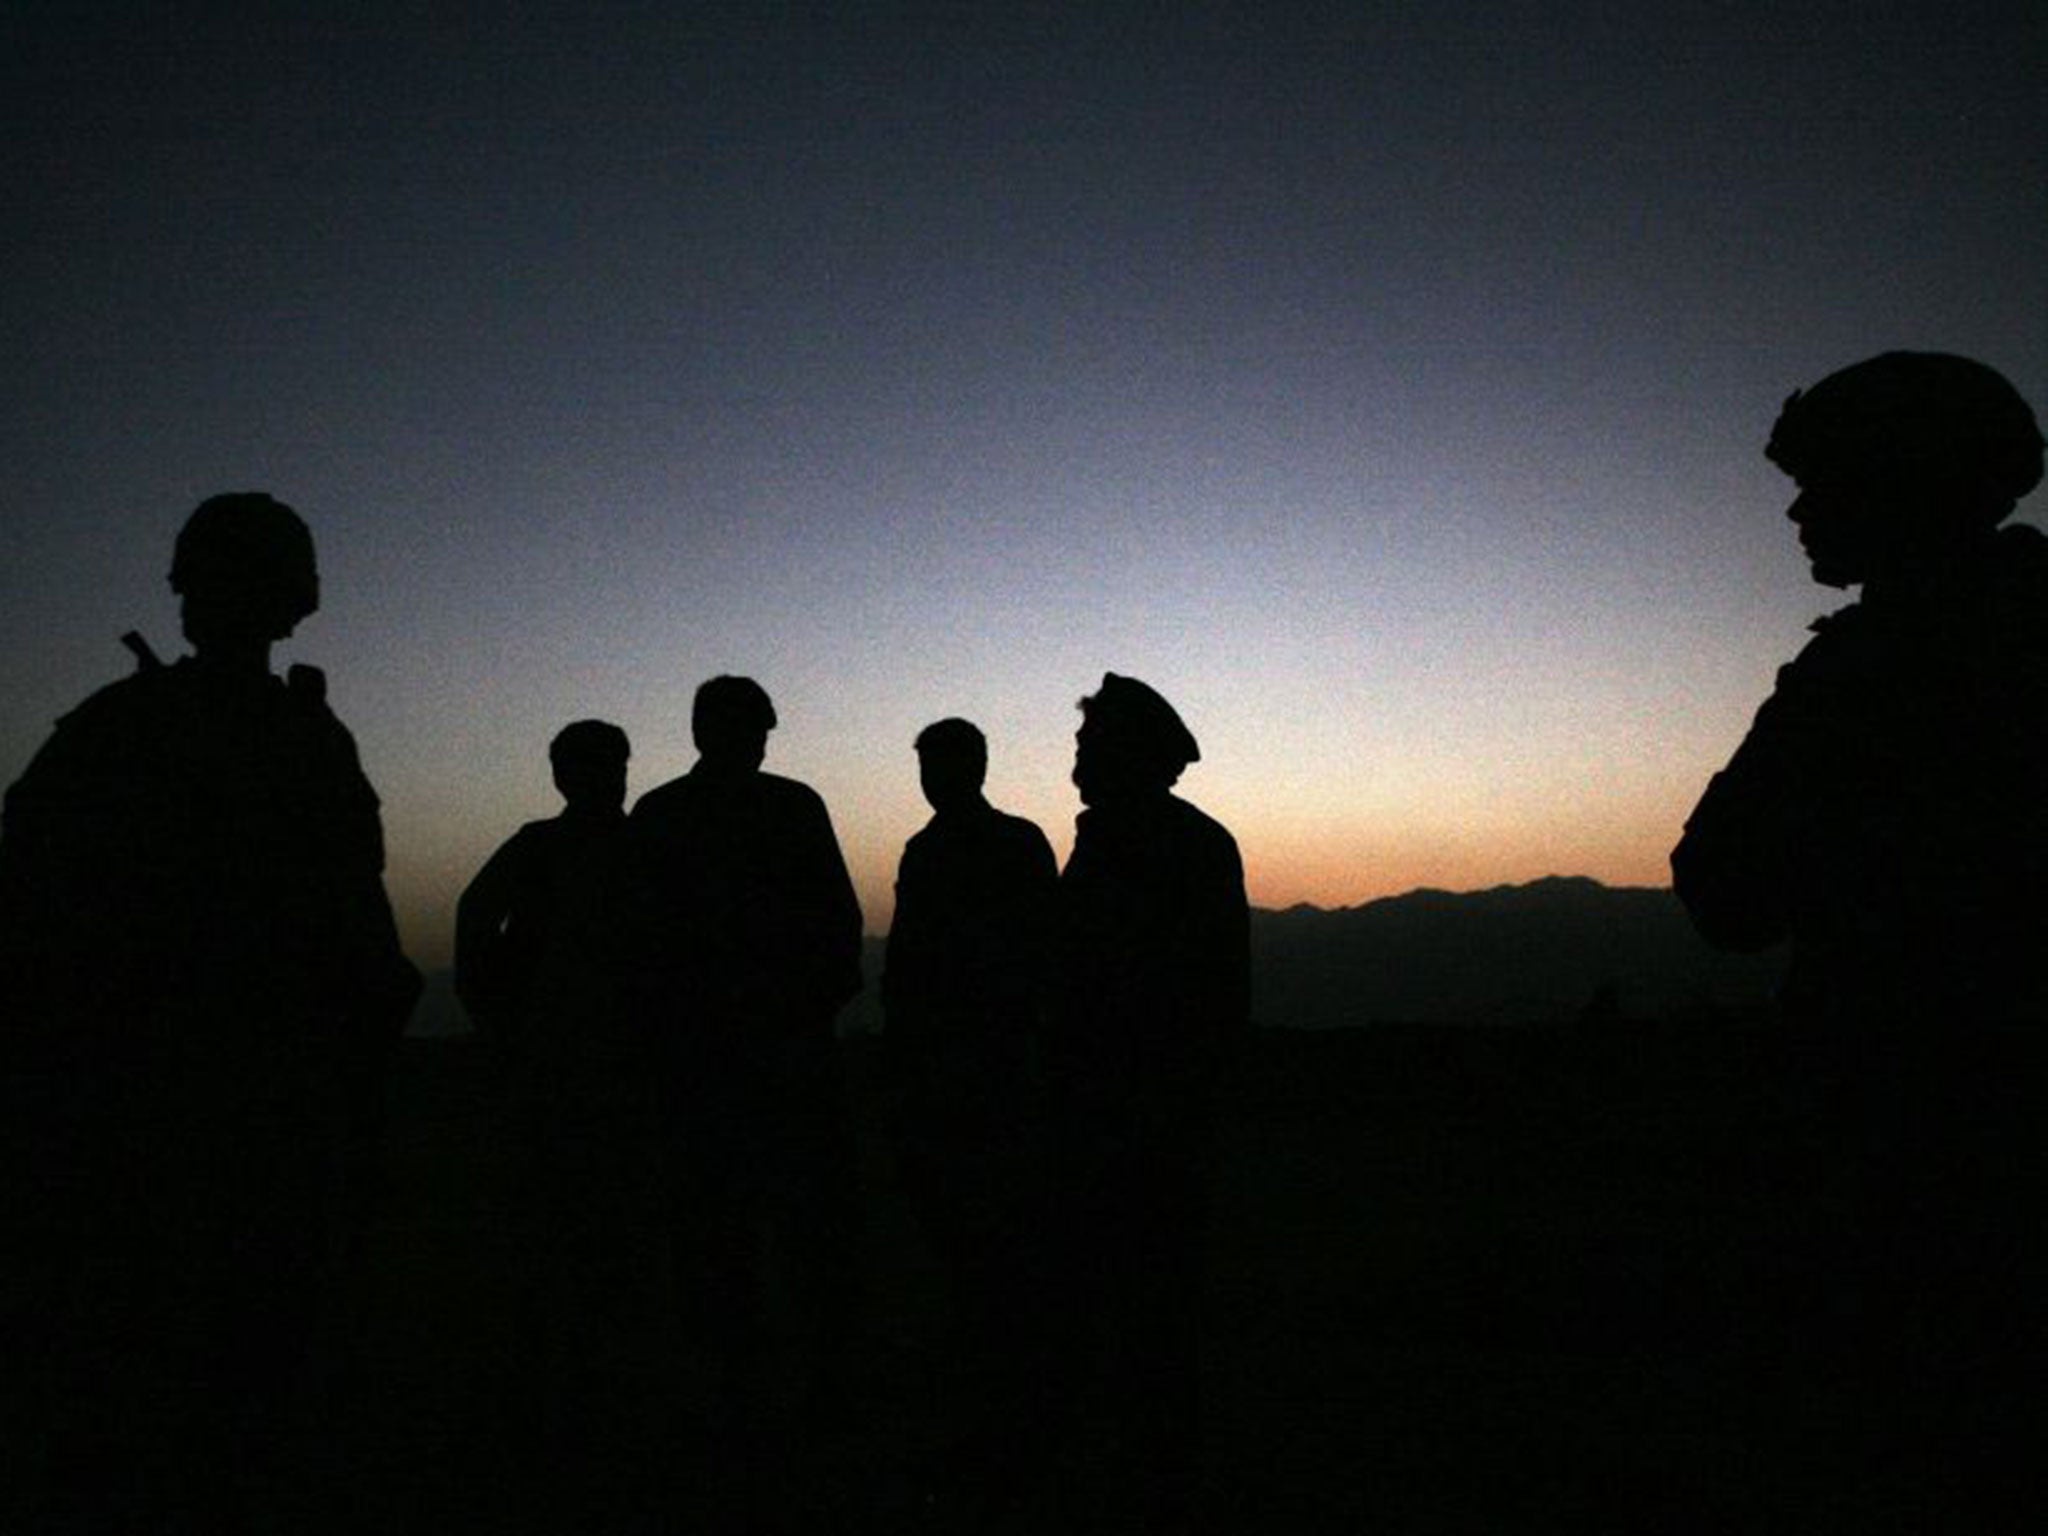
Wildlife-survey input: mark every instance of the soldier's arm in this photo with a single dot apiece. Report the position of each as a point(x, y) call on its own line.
point(383, 984)
point(388, 984)
point(1728, 866)
point(1765, 823)
point(67, 839)
point(71, 807)
point(26, 864)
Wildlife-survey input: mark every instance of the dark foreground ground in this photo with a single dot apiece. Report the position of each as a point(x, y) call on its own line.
point(1463, 1281)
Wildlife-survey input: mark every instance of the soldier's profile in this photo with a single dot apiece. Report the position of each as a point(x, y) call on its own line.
point(202, 969)
point(1885, 819)
point(1883, 815)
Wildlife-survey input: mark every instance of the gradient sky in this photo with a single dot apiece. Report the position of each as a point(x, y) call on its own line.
point(1387, 387)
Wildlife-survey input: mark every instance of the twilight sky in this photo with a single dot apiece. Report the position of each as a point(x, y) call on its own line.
point(1386, 386)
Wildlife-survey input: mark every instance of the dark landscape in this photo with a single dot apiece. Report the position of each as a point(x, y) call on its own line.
point(1498, 1275)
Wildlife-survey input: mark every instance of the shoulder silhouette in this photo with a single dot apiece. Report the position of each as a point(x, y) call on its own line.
point(540, 924)
point(748, 874)
point(969, 946)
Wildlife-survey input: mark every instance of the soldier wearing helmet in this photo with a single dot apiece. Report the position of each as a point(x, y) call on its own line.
point(249, 553)
point(202, 970)
point(1904, 464)
point(1885, 820)
point(1882, 814)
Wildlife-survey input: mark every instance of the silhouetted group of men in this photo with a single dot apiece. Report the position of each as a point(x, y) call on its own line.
point(1054, 1040)
point(203, 985)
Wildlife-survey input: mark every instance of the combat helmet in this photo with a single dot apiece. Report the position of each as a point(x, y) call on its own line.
point(248, 547)
point(1922, 425)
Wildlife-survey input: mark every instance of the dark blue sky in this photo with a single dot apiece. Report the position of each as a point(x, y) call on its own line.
point(1386, 386)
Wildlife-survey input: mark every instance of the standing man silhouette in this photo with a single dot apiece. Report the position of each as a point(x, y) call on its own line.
point(1154, 989)
point(1886, 817)
point(203, 978)
point(543, 964)
point(963, 993)
point(756, 936)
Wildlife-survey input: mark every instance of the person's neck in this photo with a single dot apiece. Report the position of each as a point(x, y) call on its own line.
point(240, 658)
point(1924, 572)
point(725, 770)
point(1129, 800)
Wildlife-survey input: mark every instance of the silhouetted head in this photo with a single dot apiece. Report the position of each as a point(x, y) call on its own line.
point(952, 762)
point(243, 566)
point(730, 721)
point(1900, 458)
point(1130, 744)
point(589, 760)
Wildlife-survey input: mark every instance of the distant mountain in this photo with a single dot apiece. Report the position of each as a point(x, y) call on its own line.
point(1554, 950)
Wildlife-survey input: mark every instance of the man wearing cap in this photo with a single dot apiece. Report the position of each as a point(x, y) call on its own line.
point(1154, 988)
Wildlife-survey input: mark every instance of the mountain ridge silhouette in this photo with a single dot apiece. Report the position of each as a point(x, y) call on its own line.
point(1559, 949)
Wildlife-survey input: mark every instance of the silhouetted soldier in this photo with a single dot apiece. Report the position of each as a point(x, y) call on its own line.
point(963, 990)
point(1154, 988)
point(1886, 816)
point(758, 937)
point(202, 970)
